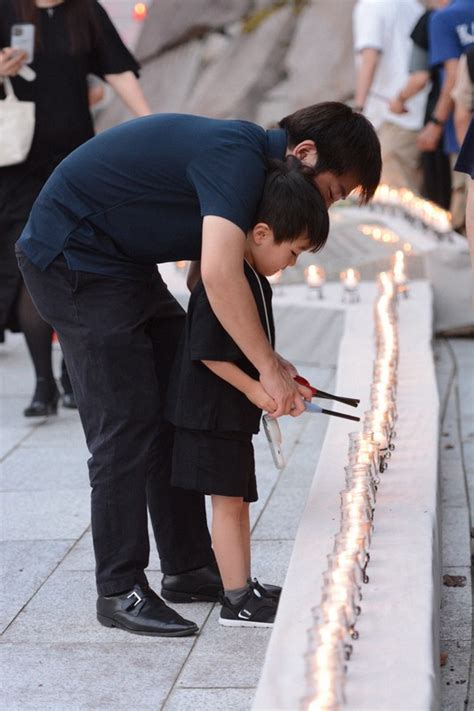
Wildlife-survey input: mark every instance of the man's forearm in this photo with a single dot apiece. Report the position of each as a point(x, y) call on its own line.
point(233, 303)
point(369, 60)
point(229, 293)
point(445, 103)
point(416, 82)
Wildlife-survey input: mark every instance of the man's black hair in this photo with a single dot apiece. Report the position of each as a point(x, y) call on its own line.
point(292, 206)
point(345, 140)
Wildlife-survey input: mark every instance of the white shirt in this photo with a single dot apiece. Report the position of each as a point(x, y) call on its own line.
point(386, 25)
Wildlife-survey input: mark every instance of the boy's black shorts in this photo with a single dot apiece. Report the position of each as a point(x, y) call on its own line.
point(220, 463)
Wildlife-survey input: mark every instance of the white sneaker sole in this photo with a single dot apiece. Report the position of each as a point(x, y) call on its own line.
point(243, 623)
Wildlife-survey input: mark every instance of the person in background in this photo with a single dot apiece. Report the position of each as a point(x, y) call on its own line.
point(451, 33)
point(383, 46)
point(215, 399)
point(73, 38)
point(463, 95)
point(465, 164)
point(436, 170)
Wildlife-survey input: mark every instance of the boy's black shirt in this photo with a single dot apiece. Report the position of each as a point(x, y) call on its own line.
point(198, 399)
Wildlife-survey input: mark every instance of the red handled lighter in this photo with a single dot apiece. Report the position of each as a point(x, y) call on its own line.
point(316, 392)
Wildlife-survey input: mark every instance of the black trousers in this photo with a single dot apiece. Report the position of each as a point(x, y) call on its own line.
point(119, 340)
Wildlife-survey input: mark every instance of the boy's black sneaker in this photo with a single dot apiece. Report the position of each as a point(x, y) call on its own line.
point(255, 610)
point(267, 590)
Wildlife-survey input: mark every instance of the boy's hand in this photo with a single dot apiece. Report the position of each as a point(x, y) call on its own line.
point(257, 395)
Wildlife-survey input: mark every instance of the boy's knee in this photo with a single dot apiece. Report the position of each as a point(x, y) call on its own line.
point(231, 504)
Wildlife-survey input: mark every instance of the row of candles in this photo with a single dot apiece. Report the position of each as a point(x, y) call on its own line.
point(315, 277)
point(334, 629)
point(383, 234)
point(403, 202)
point(350, 278)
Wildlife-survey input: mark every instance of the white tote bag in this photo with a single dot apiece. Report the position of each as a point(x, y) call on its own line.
point(17, 125)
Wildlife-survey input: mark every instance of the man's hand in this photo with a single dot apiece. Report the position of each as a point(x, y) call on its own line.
point(279, 384)
point(429, 137)
point(11, 61)
point(289, 367)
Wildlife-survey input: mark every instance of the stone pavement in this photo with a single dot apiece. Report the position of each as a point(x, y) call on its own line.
point(454, 360)
point(56, 656)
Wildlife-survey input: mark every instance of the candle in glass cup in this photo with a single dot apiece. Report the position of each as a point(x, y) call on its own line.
point(357, 497)
point(315, 275)
point(330, 612)
point(345, 577)
point(336, 594)
point(356, 530)
point(366, 459)
point(350, 279)
point(347, 560)
point(362, 485)
point(329, 632)
point(357, 514)
point(327, 691)
point(353, 547)
point(350, 282)
point(399, 272)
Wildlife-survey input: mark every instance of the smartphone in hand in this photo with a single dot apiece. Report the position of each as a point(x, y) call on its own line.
point(23, 39)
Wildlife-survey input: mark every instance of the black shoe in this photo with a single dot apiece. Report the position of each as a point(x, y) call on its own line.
point(203, 585)
point(199, 585)
point(69, 401)
point(141, 611)
point(45, 400)
point(255, 610)
point(273, 591)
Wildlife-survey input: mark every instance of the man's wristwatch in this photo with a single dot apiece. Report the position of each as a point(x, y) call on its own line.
point(437, 121)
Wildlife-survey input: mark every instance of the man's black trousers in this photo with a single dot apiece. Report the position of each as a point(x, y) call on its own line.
point(119, 339)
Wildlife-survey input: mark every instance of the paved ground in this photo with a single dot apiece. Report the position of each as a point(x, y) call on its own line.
point(454, 360)
point(56, 656)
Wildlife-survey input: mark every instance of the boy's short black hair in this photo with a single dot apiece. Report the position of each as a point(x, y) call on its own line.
point(345, 140)
point(292, 206)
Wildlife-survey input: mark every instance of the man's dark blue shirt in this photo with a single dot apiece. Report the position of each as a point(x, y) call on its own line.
point(135, 195)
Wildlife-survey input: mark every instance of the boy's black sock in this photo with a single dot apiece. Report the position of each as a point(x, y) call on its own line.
point(236, 596)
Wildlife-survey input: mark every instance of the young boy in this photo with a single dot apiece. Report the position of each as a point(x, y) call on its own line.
point(215, 399)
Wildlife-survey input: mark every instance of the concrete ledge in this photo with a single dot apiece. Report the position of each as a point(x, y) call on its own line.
point(395, 662)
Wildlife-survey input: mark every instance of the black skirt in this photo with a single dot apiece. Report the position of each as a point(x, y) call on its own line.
point(19, 187)
point(220, 463)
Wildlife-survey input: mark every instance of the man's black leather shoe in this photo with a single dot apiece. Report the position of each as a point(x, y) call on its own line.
point(141, 611)
point(201, 585)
